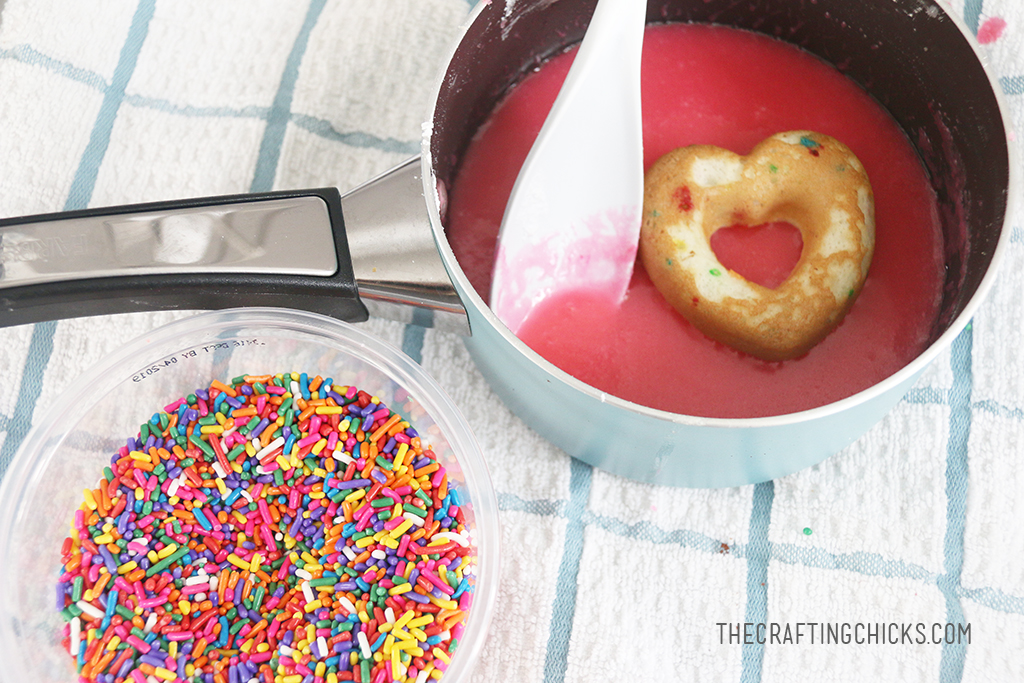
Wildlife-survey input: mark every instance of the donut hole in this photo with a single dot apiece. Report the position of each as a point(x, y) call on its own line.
point(764, 254)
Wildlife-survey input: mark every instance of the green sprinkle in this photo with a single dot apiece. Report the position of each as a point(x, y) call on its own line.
point(414, 510)
point(655, 213)
point(850, 293)
point(668, 262)
point(715, 271)
point(773, 168)
point(807, 531)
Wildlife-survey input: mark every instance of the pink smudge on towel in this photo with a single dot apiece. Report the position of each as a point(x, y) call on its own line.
point(991, 30)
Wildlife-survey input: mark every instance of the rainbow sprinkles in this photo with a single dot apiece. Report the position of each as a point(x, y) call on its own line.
point(277, 529)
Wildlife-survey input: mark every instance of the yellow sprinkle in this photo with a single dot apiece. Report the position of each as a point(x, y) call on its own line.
point(401, 528)
point(103, 539)
point(402, 636)
point(420, 621)
point(167, 550)
point(184, 607)
point(403, 448)
point(90, 500)
point(284, 462)
point(319, 446)
point(172, 649)
point(446, 604)
point(355, 495)
point(442, 655)
point(254, 564)
point(329, 410)
point(113, 643)
point(165, 674)
point(250, 450)
point(310, 606)
point(211, 429)
point(237, 561)
point(365, 542)
point(221, 486)
point(130, 565)
point(400, 588)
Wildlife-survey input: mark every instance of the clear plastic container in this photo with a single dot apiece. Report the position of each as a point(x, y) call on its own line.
point(76, 436)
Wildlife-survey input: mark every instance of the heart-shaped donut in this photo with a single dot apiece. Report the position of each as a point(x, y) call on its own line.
point(810, 180)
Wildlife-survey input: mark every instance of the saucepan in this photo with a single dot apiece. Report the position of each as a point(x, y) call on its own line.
point(382, 248)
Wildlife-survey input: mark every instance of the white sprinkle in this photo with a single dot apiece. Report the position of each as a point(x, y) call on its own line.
point(389, 614)
point(321, 645)
point(152, 679)
point(76, 635)
point(295, 389)
point(421, 677)
point(150, 622)
point(378, 554)
point(303, 574)
point(199, 597)
point(285, 650)
point(349, 553)
point(219, 470)
point(307, 591)
point(342, 456)
point(266, 450)
point(278, 536)
point(213, 583)
point(452, 536)
point(418, 521)
point(201, 577)
point(364, 645)
point(346, 603)
point(173, 488)
point(247, 495)
point(89, 609)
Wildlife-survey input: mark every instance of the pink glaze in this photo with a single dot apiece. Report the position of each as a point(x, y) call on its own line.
point(598, 254)
point(720, 86)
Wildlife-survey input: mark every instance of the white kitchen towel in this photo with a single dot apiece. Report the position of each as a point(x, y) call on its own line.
point(603, 578)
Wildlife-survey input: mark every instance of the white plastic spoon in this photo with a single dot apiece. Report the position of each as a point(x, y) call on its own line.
point(573, 219)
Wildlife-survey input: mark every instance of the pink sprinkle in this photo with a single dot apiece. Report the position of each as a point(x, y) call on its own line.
point(991, 30)
point(171, 407)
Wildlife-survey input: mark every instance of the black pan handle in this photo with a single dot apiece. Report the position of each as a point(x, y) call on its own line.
point(285, 249)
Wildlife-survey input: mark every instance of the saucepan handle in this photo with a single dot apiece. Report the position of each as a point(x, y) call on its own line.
point(285, 249)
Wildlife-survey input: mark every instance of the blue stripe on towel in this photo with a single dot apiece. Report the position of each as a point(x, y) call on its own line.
point(1012, 85)
point(39, 352)
point(972, 14)
point(951, 667)
point(758, 556)
point(41, 344)
point(563, 611)
point(26, 54)
point(89, 165)
point(280, 110)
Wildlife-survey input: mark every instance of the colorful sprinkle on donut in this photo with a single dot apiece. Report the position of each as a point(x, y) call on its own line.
point(280, 529)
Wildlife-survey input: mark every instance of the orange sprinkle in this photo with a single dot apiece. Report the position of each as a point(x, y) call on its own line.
point(217, 384)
